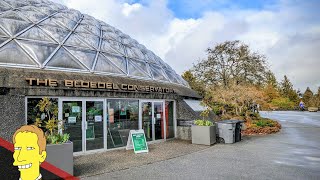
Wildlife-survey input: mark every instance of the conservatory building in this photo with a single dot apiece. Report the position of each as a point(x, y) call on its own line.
point(103, 82)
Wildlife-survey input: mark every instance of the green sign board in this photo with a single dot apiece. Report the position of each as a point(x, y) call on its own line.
point(90, 132)
point(137, 141)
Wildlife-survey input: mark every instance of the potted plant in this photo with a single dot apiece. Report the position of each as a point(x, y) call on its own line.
point(59, 148)
point(203, 131)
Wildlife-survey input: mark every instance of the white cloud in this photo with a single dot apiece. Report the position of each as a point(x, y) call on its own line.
point(287, 33)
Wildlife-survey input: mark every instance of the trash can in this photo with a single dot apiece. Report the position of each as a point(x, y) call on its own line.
point(238, 128)
point(226, 131)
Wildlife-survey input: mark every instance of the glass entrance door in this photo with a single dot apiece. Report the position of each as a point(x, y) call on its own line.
point(83, 120)
point(72, 120)
point(94, 125)
point(152, 115)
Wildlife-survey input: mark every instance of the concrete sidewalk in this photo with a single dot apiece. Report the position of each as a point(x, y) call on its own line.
point(292, 154)
point(110, 161)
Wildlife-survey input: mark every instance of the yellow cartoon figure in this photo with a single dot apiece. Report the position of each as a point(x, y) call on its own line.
point(29, 151)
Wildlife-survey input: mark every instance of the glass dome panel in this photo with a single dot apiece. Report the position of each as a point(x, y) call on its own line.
point(111, 35)
point(59, 34)
point(63, 59)
point(112, 47)
point(14, 26)
point(2, 33)
point(139, 66)
point(4, 7)
point(90, 39)
point(134, 71)
point(133, 52)
point(16, 4)
point(37, 34)
point(118, 61)
point(2, 40)
point(172, 77)
point(104, 65)
point(157, 73)
point(39, 51)
point(89, 29)
point(76, 41)
point(85, 56)
point(12, 53)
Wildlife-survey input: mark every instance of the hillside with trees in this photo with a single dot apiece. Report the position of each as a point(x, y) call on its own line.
point(234, 80)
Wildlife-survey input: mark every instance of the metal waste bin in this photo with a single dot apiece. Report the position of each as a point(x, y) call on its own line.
point(226, 131)
point(237, 129)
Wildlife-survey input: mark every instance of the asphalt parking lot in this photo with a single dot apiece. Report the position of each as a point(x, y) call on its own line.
point(294, 153)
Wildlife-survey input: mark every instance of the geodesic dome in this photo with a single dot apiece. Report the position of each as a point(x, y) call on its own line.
point(40, 34)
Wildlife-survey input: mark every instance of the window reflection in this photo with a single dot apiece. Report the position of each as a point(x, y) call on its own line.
point(122, 117)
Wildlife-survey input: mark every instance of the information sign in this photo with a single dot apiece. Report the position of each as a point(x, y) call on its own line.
point(137, 141)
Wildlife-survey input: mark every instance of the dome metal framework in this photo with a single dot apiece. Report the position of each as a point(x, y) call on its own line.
point(40, 34)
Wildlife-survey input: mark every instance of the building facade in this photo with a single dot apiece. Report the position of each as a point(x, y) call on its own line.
point(103, 82)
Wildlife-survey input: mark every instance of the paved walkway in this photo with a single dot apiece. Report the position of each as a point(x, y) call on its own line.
point(294, 153)
point(106, 162)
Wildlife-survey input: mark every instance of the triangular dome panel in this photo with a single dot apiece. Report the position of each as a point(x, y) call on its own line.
point(74, 40)
point(39, 51)
point(141, 65)
point(172, 77)
point(59, 34)
point(87, 57)
point(135, 71)
point(4, 7)
point(13, 26)
point(157, 73)
point(13, 15)
point(120, 62)
point(104, 65)
point(112, 47)
point(2, 40)
point(2, 33)
point(13, 54)
point(36, 33)
point(63, 59)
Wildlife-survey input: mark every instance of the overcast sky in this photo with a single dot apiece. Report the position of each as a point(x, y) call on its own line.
point(179, 31)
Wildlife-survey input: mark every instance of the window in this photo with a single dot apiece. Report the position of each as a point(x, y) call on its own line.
point(33, 111)
point(123, 116)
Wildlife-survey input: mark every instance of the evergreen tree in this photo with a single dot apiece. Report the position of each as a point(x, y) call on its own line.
point(271, 79)
point(286, 90)
point(308, 97)
point(194, 83)
point(318, 98)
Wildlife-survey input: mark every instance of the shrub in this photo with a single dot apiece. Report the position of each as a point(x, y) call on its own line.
point(200, 122)
point(50, 124)
point(283, 103)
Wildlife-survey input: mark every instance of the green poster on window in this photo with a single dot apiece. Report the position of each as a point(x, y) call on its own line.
point(90, 132)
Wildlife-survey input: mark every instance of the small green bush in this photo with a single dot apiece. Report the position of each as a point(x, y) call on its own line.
point(264, 123)
point(200, 122)
point(57, 138)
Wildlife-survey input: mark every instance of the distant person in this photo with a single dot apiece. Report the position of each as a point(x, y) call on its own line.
point(301, 105)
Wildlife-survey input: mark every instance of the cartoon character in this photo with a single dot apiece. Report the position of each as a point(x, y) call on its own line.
point(29, 151)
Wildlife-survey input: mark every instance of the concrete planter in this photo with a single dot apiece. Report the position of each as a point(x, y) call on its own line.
point(61, 156)
point(312, 109)
point(205, 135)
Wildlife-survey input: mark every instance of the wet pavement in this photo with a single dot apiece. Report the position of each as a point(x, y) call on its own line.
point(294, 153)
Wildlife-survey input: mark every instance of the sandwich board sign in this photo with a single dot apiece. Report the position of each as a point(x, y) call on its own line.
point(137, 141)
